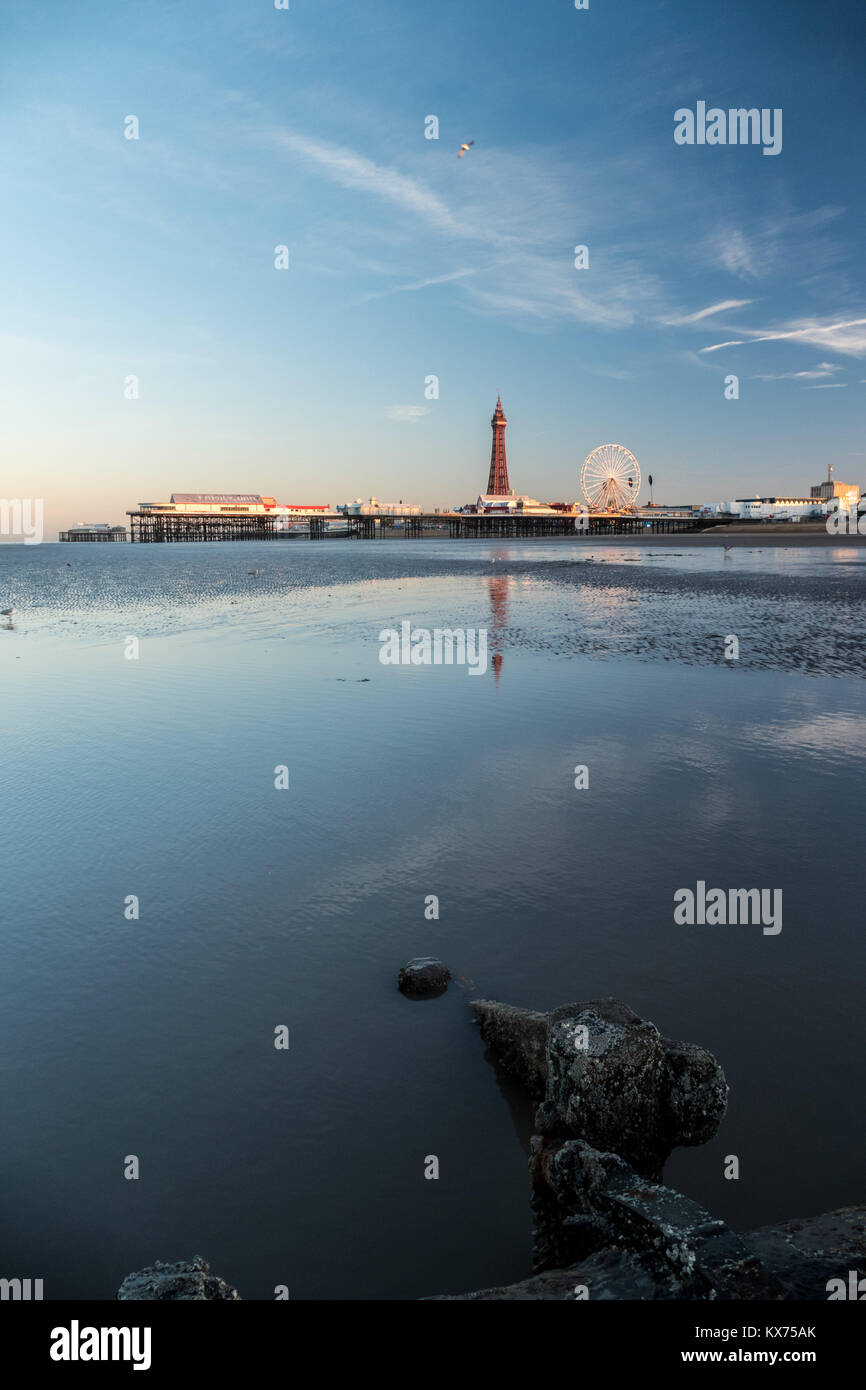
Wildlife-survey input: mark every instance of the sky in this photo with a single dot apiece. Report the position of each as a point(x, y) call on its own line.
point(305, 128)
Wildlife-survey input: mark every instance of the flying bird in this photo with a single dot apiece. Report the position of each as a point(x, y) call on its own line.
point(464, 148)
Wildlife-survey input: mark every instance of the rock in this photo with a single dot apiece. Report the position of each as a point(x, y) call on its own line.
point(806, 1254)
point(609, 1077)
point(423, 978)
point(629, 1090)
point(188, 1279)
point(597, 1200)
point(790, 1262)
point(611, 1274)
point(518, 1040)
point(614, 1097)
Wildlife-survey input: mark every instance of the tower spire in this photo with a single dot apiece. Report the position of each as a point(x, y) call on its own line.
point(497, 483)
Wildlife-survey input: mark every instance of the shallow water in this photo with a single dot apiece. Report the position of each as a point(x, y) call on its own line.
point(259, 907)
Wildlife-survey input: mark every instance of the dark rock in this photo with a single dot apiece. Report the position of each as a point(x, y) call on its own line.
point(611, 1274)
point(188, 1279)
point(789, 1262)
point(806, 1254)
point(423, 978)
point(695, 1093)
point(613, 1098)
point(589, 1205)
point(609, 1077)
point(518, 1040)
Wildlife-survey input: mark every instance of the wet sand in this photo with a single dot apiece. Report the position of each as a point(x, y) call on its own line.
point(155, 777)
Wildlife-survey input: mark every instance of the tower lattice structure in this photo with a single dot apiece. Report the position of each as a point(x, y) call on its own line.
point(497, 483)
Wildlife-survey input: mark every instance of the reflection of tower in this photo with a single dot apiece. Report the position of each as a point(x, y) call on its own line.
point(497, 483)
point(498, 585)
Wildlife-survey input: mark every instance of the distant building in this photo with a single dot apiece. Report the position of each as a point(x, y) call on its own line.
point(778, 508)
point(94, 531)
point(848, 493)
point(300, 508)
point(210, 504)
point(671, 509)
point(512, 503)
point(376, 508)
point(230, 504)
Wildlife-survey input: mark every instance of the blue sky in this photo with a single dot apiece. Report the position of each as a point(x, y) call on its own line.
point(261, 127)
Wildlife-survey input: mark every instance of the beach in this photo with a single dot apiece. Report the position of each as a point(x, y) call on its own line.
point(154, 777)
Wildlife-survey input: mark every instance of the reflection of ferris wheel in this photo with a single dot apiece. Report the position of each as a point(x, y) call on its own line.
point(610, 479)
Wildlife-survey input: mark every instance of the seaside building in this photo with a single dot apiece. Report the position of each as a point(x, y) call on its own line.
point(376, 508)
point(231, 504)
point(518, 503)
point(673, 508)
point(847, 493)
point(94, 531)
point(778, 508)
point(222, 516)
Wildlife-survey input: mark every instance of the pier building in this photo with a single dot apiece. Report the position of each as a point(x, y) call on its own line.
point(94, 531)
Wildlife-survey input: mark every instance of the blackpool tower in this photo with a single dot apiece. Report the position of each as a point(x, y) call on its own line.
point(497, 483)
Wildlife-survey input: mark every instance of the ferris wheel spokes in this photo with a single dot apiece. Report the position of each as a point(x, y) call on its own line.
point(610, 479)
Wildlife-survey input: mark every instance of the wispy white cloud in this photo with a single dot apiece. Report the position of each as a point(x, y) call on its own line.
point(847, 336)
point(714, 347)
point(822, 369)
point(507, 212)
point(408, 414)
point(615, 373)
point(719, 308)
point(738, 256)
point(550, 291)
point(751, 254)
point(356, 171)
point(419, 284)
point(513, 208)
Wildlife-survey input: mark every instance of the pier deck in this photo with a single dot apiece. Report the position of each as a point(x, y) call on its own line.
point(162, 527)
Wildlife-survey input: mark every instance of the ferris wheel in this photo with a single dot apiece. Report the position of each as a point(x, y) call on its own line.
point(610, 478)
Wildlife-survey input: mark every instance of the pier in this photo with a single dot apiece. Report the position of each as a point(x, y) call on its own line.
point(501, 526)
point(158, 528)
point(153, 527)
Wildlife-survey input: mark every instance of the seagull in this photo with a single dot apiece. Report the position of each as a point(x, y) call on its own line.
point(463, 148)
point(7, 612)
point(252, 571)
